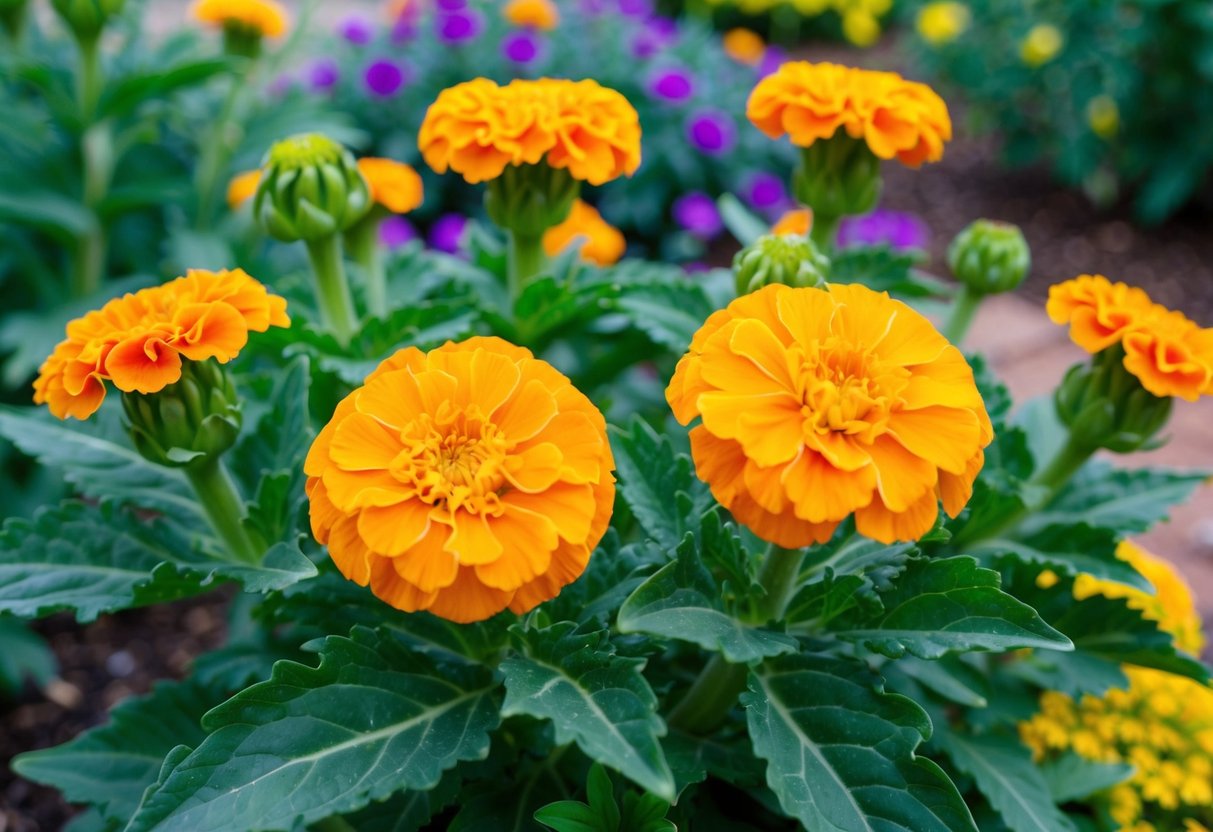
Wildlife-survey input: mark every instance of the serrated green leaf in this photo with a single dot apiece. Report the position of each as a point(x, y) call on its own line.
point(949, 677)
point(941, 606)
point(110, 766)
point(1004, 772)
point(23, 655)
point(593, 697)
point(372, 719)
point(841, 754)
point(669, 312)
point(508, 808)
point(1071, 777)
point(1068, 550)
point(651, 475)
point(1126, 501)
point(682, 601)
point(878, 564)
point(99, 461)
point(611, 576)
point(95, 559)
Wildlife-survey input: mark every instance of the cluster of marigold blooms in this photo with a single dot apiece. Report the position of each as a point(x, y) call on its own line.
point(475, 477)
point(1168, 353)
point(264, 17)
point(1161, 724)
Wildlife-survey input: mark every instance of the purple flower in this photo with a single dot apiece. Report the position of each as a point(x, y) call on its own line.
point(447, 233)
point(896, 229)
point(396, 231)
point(711, 131)
point(772, 59)
point(636, 8)
point(458, 26)
point(655, 35)
point(521, 47)
point(672, 84)
point(323, 74)
point(765, 191)
point(357, 29)
point(384, 78)
point(595, 7)
point(451, 5)
point(696, 212)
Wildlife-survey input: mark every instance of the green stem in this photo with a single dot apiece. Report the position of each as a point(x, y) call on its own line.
point(525, 260)
point(332, 287)
point(88, 79)
point(216, 152)
point(223, 506)
point(964, 309)
point(714, 692)
point(363, 243)
point(88, 260)
point(824, 232)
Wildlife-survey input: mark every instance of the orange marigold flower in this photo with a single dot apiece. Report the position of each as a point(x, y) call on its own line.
point(462, 481)
point(263, 16)
point(744, 45)
point(534, 14)
point(242, 188)
point(1171, 605)
point(821, 403)
point(477, 128)
point(895, 117)
point(797, 222)
point(1168, 353)
point(394, 185)
point(138, 341)
point(601, 242)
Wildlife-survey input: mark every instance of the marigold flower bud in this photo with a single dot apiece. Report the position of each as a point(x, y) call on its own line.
point(86, 18)
point(310, 189)
point(837, 177)
point(195, 418)
point(789, 260)
point(530, 199)
point(990, 257)
point(1106, 406)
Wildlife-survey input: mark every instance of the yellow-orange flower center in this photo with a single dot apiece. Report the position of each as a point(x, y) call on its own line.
point(848, 391)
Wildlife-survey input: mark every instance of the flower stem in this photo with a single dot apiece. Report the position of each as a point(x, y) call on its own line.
point(88, 258)
point(964, 309)
point(332, 287)
point(88, 79)
point(714, 692)
point(364, 248)
point(223, 506)
point(525, 260)
point(824, 232)
point(215, 153)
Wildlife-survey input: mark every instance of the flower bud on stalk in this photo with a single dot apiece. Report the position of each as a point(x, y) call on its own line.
point(1105, 406)
point(990, 257)
point(529, 199)
point(789, 260)
point(87, 18)
point(311, 190)
point(192, 421)
point(837, 177)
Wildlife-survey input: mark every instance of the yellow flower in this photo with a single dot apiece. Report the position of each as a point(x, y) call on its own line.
point(743, 45)
point(1041, 45)
point(896, 118)
point(477, 128)
point(942, 22)
point(1166, 351)
point(137, 342)
point(797, 222)
point(462, 481)
point(265, 17)
point(1103, 116)
point(394, 185)
point(242, 188)
point(821, 403)
point(860, 27)
point(533, 14)
point(601, 242)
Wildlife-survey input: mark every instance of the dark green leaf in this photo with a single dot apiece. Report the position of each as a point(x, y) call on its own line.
point(23, 655)
point(593, 697)
point(670, 312)
point(110, 766)
point(841, 754)
point(878, 564)
point(682, 601)
point(742, 224)
point(949, 677)
point(1004, 772)
point(374, 718)
point(947, 605)
point(131, 91)
point(1068, 550)
point(1126, 501)
point(1071, 777)
point(408, 811)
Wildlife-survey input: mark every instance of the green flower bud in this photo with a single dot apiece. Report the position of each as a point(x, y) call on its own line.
point(990, 257)
point(86, 18)
point(837, 177)
point(530, 199)
point(310, 189)
point(789, 260)
point(1105, 406)
point(194, 419)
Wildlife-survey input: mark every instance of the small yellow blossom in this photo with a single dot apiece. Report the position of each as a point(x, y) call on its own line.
point(1042, 44)
point(942, 22)
point(1103, 116)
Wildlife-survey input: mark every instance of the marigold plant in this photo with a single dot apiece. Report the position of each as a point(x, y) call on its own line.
point(265, 17)
point(533, 14)
point(462, 481)
point(394, 185)
point(600, 242)
point(137, 342)
point(822, 403)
